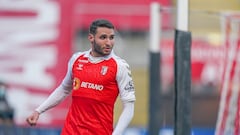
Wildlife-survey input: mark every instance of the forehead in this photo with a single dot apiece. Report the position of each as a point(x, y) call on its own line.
point(104, 31)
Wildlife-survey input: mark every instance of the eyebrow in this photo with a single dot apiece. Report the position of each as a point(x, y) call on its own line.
point(107, 34)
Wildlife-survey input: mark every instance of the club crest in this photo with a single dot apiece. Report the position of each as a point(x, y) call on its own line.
point(104, 70)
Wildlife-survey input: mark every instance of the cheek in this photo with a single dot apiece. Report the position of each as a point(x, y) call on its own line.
point(99, 42)
point(112, 42)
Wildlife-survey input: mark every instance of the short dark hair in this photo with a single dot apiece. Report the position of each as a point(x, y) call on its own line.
point(100, 23)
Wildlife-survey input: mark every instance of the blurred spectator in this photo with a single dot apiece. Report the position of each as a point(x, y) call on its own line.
point(6, 112)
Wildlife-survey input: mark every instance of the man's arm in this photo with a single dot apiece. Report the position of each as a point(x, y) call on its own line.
point(125, 118)
point(54, 99)
point(127, 96)
point(59, 94)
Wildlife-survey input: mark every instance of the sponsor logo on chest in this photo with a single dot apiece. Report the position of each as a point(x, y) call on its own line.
point(82, 84)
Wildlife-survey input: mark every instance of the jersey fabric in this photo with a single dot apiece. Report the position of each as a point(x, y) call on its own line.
point(96, 83)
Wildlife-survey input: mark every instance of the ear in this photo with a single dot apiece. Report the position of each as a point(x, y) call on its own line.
point(90, 37)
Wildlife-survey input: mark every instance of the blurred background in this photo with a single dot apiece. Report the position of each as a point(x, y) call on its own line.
point(37, 39)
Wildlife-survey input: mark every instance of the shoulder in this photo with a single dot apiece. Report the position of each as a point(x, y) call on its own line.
point(75, 56)
point(120, 61)
point(122, 64)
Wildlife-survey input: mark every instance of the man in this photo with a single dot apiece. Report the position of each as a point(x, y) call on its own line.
point(6, 111)
point(94, 78)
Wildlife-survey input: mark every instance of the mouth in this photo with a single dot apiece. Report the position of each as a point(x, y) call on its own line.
point(108, 49)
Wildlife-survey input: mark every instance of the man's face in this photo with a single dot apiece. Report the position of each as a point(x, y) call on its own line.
point(102, 42)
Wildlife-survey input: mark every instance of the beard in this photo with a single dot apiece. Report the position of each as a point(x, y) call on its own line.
point(99, 50)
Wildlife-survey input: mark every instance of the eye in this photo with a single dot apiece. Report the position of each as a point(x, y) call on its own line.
point(103, 37)
point(111, 37)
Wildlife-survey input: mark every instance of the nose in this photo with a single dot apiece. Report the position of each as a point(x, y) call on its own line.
point(108, 41)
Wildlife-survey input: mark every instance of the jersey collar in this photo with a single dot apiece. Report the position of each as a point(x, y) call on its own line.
point(97, 59)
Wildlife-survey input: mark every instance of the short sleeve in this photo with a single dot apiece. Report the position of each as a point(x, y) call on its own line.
point(125, 81)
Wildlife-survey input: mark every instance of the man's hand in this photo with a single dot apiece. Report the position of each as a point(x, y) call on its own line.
point(32, 119)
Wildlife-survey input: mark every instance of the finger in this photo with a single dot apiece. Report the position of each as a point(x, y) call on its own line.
point(33, 124)
point(31, 121)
